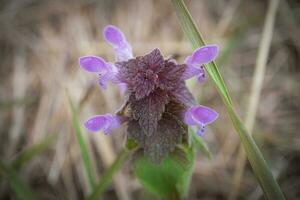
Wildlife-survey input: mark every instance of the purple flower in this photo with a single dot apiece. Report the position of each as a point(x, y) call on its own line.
point(116, 38)
point(106, 122)
point(106, 71)
point(200, 116)
point(158, 105)
point(196, 61)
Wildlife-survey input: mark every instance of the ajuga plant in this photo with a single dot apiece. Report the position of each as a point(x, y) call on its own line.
point(157, 108)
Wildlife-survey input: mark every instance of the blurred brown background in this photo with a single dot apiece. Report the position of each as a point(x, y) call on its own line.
point(40, 42)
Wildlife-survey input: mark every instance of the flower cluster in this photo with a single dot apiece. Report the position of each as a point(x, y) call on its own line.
point(158, 106)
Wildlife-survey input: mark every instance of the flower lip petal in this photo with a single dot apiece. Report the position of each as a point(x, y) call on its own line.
point(93, 64)
point(200, 115)
point(204, 115)
point(117, 39)
point(200, 56)
point(96, 123)
point(105, 122)
point(114, 36)
point(203, 55)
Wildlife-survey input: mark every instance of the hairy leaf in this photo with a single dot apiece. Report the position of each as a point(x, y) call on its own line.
point(148, 111)
point(170, 76)
point(140, 74)
point(170, 131)
point(183, 95)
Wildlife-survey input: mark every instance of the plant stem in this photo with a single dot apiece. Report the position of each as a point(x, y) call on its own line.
point(108, 175)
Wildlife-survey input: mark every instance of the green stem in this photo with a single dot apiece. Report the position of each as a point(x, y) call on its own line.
point(261, 170)
point(108, 175)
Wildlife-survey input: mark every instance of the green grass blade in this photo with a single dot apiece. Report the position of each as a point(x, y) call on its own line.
point(22, 190)
point(196, 40)
point(82, 144)
point(33, 151)
point(269, 185)
point(199, 143)
point(108, 175)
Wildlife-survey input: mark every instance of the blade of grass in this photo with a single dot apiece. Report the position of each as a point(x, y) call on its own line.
point(257, 84)
point(22, 190)
point(189, 28)
point(82, 144)
point(108, 175)
point(260, 168)
point(32, 151)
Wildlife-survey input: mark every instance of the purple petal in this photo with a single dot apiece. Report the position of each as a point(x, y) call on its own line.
point(195, 62)
point(203, 55)
point(93, 64)
point(190, 72)
point(116, 38)
point(105, 122)
point(188, 117)
point(108, 76)
point(200, 115)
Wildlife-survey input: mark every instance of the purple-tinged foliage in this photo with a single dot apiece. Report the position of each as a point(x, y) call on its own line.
point(170, 131)
point(158, 106)
point(144, 74)
point(148, 111)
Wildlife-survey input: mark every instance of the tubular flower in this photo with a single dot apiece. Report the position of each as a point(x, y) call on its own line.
point(94, 64)
point(158, 106)
point(200, 116)
point(196, 61)
point(105, 122)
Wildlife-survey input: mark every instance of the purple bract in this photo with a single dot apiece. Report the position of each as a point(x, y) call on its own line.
point(158, 106)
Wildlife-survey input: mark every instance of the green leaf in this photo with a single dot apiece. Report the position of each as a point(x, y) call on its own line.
point(131, 144)
point(170, 178)
point(82, 144)
point(22, 190)
point(33, 151)
point(199, 143)
point(108, 175)
point(266, 180)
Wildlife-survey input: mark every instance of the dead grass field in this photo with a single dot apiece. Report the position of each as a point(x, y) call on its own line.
point(40, 42)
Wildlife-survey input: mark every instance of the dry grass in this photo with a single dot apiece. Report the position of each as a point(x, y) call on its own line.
point(40, 42)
